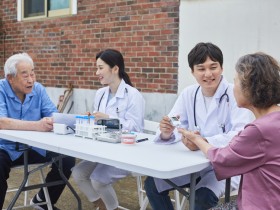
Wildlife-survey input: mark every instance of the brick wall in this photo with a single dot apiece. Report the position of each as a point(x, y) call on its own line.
point(145, 31)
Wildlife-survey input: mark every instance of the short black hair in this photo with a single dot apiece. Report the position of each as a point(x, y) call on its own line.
point(203, 50)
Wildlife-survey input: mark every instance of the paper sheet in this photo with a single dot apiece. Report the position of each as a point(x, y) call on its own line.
point(68, 119)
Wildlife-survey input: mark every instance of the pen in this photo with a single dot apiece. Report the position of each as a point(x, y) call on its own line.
point(140, 140)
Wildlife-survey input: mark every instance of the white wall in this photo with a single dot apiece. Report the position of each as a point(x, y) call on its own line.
point(238, 27)
point(157, 104)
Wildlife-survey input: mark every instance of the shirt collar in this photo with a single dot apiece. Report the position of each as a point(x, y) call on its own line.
point(10, 92)
point(121, 90)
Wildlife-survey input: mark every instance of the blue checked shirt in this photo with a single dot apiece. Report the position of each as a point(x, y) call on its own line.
point(36, 105)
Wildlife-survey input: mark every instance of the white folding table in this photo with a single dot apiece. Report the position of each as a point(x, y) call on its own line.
point(148, 158)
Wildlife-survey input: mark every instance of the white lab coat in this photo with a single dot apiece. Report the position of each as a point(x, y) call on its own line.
point(128, 105)
point(233, 117)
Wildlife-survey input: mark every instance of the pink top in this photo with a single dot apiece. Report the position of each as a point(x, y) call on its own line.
point(255, 154)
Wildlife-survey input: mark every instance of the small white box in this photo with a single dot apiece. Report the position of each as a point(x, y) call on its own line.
point(62, 129)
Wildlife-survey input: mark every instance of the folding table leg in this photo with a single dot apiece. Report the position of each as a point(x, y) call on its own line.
point(192, 191)
point(68, 184)
point(25, 178)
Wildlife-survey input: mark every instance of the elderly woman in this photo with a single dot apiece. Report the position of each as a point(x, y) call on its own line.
point(254, 152)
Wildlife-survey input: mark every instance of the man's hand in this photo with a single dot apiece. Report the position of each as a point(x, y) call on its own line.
point(45, 124)
point(166, 128)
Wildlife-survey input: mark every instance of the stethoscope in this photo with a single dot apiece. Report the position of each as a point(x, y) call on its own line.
point(222, 125)
point(117, 109)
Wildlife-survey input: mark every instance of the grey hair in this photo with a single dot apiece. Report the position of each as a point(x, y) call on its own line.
point(10, 67)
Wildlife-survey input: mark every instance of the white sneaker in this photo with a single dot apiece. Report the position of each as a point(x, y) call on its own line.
point(35, 202)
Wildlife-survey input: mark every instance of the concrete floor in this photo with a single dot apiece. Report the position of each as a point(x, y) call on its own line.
point(126, 191)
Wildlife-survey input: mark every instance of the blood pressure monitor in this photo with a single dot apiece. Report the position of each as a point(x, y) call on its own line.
point(109, 123)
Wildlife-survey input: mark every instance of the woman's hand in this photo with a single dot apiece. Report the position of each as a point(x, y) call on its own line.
point(188, 143)
point(191, 138)
point(100, 115)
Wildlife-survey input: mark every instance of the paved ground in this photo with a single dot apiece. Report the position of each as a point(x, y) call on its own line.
point(126, 191)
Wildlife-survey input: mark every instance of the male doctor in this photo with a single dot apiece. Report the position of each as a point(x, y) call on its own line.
point(209, 108)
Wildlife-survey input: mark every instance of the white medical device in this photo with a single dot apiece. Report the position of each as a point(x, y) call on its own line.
point(175, 121)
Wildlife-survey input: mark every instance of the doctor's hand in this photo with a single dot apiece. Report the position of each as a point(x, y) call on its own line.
point(166, 128)
point(100, 115)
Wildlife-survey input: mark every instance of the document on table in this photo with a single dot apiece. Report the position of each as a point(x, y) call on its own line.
point(67, 119)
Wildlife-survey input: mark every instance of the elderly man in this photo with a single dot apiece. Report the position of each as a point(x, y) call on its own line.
point(25, 105)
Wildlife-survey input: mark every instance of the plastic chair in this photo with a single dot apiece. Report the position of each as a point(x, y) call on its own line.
point(26, 193)
point(150, 127)
point(179, 204)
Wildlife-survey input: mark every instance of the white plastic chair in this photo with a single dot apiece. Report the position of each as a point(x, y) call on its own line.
point(152, 127)
point(26, 193)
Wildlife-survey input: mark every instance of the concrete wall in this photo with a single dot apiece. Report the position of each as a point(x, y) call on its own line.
point(157, 104)
point(238, 27)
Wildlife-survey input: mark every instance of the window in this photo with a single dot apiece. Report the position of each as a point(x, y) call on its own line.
point(33, 9)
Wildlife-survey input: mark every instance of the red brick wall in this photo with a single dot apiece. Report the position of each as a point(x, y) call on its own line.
point(145, 31)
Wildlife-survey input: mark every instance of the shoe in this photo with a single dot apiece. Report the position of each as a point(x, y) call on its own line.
point(99, 204)
point(36, 200)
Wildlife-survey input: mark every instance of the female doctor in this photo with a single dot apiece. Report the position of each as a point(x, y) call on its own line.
point(209, 108)
point(118, 100)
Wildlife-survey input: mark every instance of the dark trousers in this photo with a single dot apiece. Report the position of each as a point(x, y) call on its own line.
point(33, 157)
point(204, 197)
